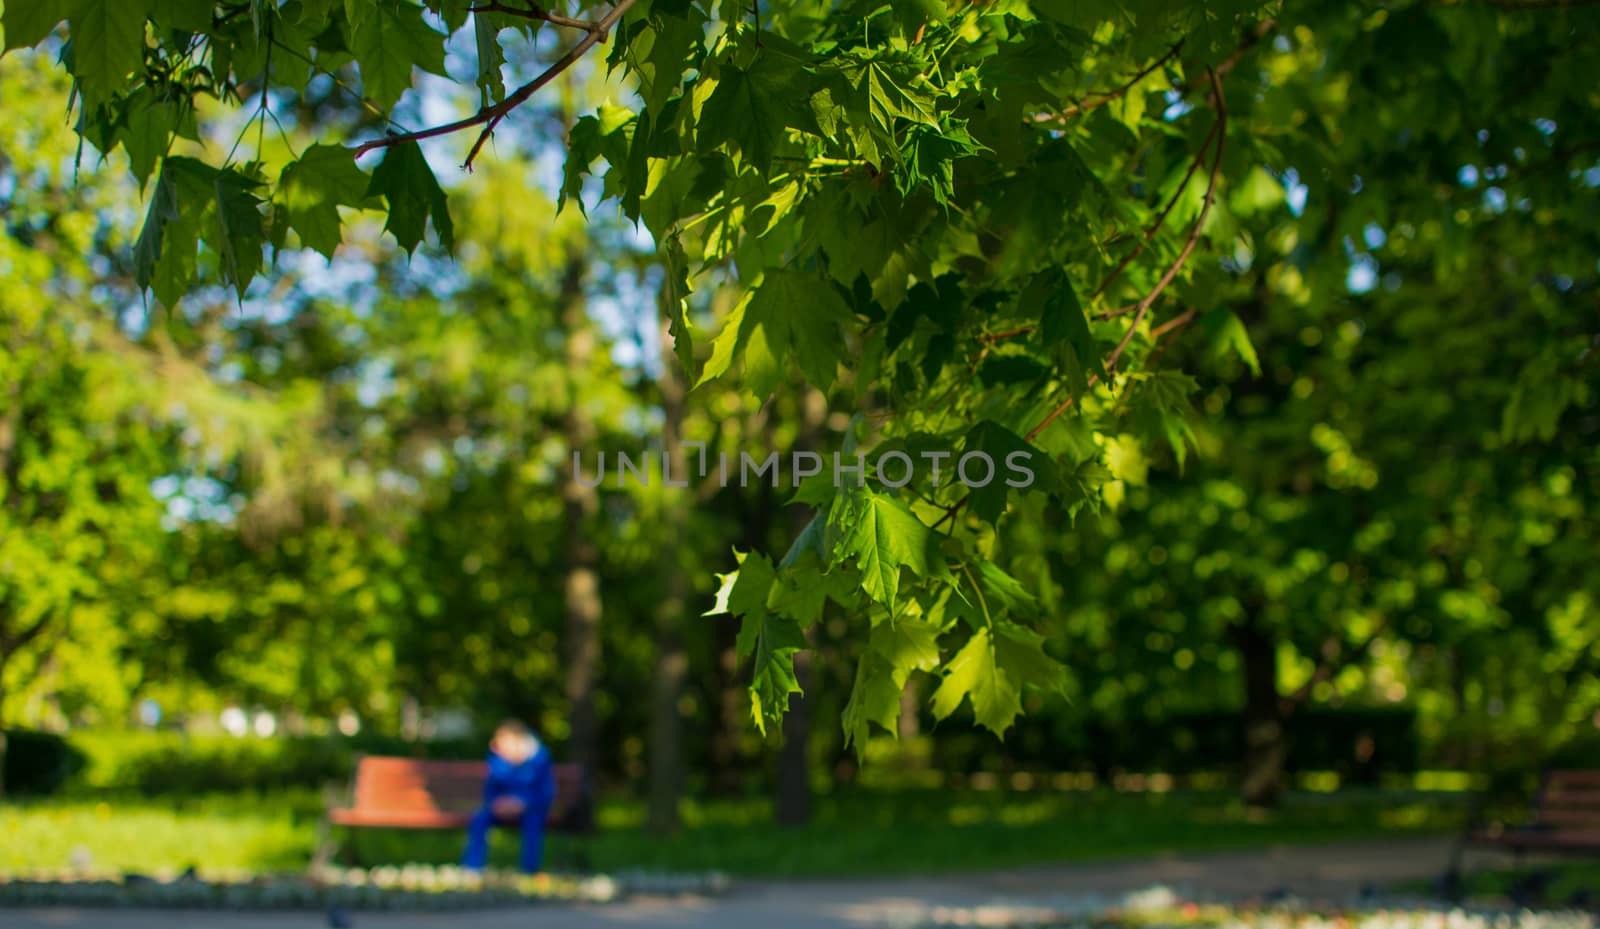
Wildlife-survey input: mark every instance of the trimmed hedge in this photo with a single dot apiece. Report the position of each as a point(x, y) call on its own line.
point(1360, 744)
point(165, 762)
point(39, 762)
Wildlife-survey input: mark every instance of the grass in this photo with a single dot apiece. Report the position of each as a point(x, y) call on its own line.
point(856, 832)
point(219, 832)
point(1559, 882)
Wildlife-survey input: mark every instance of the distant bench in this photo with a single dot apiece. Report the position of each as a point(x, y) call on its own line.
point(1565, 820)
point(415, 793)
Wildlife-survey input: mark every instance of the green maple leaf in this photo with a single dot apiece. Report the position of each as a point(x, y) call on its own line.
point(29, 22)
point(753, 108)
point(192, 190)
point(239, 220)
point(491, 58)
point(882, 536)
point(1064, 327)
point(793, 314)
point(999, 443)
point(890, 93)
point(182, 203)
point(676, 296)
point(453, 12)
point(359, 12)
point(810, 310)
point(145, 132)
point(894, 650)
point(414, 196)
point(1161, 405)
point(1004, 592)
point(311, 190)
point(606, 134)
point(990, 671)
point(874, 700)
point(673, 28)
point(387, 40)
point(163, 209)
point(187, 15)
point(107, 42)
point(1080, 486)
point(929, 159)
point(1228, 334)
point(767, 636)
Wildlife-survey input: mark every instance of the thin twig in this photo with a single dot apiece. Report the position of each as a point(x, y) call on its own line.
point(1251, 38)
point(1001, 336)
point(372, 108)
point(991, 338)
point(1161, 218)
point(1106, 97)
point(950, 512)
point(1061, 408)
point(1194, 234)
point(489, 117)
point(534, 11)
point(1055, 413)
point(1176, 322)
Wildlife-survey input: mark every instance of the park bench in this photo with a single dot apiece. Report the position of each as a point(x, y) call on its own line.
point(1565, 819)
point(416, 793)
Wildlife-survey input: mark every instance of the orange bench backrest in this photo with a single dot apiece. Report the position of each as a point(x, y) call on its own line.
point(384, 783)
point(1571, 800)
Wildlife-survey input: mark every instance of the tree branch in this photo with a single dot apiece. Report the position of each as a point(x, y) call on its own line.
point(1056, 413)
point(1194, 233)
point(1161, 218)
point(534, 11)
point(1162, 331)
point(1149, 234)
point(1251, 38)
point(490, 116)
point(1177, 322)
point(12, 643)
point(1105, 97)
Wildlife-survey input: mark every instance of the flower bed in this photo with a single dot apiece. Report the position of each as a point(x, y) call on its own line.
point(408, 887)
point(1161, 910)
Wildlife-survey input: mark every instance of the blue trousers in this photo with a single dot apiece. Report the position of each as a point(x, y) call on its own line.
point(530, 823)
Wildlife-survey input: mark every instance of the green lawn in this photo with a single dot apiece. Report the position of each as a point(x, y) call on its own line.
point(854, 832)
point(1562, 881)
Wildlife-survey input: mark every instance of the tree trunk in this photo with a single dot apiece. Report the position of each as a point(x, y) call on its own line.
point(581, 586)
point(794, 761)
point(732, 712)
point(3, 658)
point(910, 725)
point(671, 664)
point(793, 806)
point(733, 690)
point(1266, 746)
point(9, 462)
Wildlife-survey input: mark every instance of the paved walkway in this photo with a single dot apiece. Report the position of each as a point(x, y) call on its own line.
point(1326, 872)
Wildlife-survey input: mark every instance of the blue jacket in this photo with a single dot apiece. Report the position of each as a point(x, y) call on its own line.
point(532, 781)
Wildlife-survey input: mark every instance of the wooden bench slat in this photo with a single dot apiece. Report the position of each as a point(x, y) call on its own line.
point(1587, 799)
point(411, 793)
point(399, 819)
point(1568, 776)
point(1561, 819)
point(1565, 817)
point(1553, 841)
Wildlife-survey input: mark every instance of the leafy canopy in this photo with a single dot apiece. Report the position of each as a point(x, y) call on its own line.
point(976, 225)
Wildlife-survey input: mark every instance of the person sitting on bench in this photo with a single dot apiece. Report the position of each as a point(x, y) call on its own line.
point(518, 791)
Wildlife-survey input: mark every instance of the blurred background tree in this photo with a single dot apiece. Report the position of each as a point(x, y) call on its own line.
point(347, 499)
